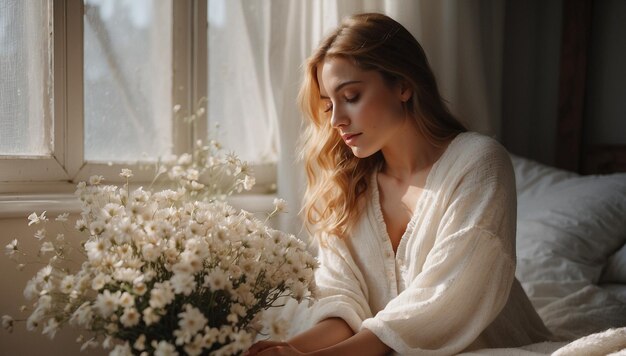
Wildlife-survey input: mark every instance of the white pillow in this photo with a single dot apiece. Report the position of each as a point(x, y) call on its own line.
point(568, 225)
point(615, 270)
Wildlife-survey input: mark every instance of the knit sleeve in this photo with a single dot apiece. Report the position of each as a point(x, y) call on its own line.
point(341, 289)
point(467, 276)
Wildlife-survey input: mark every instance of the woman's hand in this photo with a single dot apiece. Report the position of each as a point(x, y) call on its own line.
point(269, 348)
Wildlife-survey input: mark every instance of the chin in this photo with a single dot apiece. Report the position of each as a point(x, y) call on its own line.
point(361, 153)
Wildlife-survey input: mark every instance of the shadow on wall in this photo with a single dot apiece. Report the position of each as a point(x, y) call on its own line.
point(22, 341)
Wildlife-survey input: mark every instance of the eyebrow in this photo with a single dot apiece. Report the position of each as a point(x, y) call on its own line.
point(338, 87)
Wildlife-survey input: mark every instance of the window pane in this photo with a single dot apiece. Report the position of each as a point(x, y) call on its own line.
point(239, 96)
point(24, 82)
point(127, 74)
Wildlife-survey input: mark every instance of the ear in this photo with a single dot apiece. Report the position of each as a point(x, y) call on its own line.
point(406, 92)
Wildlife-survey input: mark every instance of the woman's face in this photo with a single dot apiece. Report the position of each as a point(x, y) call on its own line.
point(365, 110)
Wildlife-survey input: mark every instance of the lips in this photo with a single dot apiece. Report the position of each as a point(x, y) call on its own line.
point(349, 137)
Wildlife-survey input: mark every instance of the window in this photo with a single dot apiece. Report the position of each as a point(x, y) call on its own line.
point(89, 86)
point(127, 76)
point(27, 139)
point(24, 81)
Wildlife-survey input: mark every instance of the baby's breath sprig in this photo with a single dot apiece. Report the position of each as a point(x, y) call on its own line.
point(163, 270)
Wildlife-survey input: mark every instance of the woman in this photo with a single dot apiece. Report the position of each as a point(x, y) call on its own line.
point(415, 217)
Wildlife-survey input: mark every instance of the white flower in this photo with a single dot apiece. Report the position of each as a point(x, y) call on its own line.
point(232, 318)
point(248, 182)
point(62, 217)
point(96, 179)
point(31, 289)
point(11, 248)
point(99, 281)
point(80, 225)
point(46, 247)
point(130, 317)
point(126, 274)
point(44, 274)
point(97, 227)
point(185, 159)
point(35, 219)
point(40, 234)
point(33, 320)
point(161, 295)
point(183, 283)
point(163, 348)
point(91, 343)
point(193, 174)
point(242, 340)
point(140, 288)
point(183, 267)
point(127, 300)
point(96, 248)
point(191, 321)
point(140, 343)
point(111, 210)
point(195, 346)
point(7, 323)
point(196, 186)
point(108, 342)
point(121, 350)
point(44, 304)
point(51, 328)
point(280, 205)
point(126, 173)
point(67, 284)
point(150, 252)
point(107, 303)
point(150, 316)
point(278, 328)
point(217, 279)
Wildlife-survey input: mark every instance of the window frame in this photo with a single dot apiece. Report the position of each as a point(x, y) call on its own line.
point(34, 177)
point(48, 182)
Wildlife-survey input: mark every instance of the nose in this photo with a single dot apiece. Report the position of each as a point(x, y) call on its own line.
point(338, 117)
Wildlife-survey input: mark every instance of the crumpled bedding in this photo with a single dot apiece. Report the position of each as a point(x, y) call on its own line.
point(609, 342)
point(592, 321)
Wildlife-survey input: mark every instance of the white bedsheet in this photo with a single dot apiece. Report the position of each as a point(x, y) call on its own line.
point(610, 342)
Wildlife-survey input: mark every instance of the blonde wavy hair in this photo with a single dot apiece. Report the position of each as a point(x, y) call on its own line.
point(336, 179)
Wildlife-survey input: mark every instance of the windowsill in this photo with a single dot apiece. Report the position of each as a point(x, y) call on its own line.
point(20, 206)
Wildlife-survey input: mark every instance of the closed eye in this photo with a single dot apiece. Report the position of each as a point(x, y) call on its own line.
point(352, 99)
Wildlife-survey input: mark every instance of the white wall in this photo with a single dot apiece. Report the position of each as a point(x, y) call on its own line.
point(12, 283)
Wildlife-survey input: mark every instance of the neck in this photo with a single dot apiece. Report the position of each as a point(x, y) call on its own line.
point(409, 155)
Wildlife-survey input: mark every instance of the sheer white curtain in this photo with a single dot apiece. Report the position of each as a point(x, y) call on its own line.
point(462, 39)
point(24, 80)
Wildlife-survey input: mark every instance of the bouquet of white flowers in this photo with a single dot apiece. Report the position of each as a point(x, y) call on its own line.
point(170, 271)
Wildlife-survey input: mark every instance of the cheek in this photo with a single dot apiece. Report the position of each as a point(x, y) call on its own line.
point(379, 112)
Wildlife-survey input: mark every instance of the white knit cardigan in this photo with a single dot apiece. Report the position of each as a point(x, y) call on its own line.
point(451, 284)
